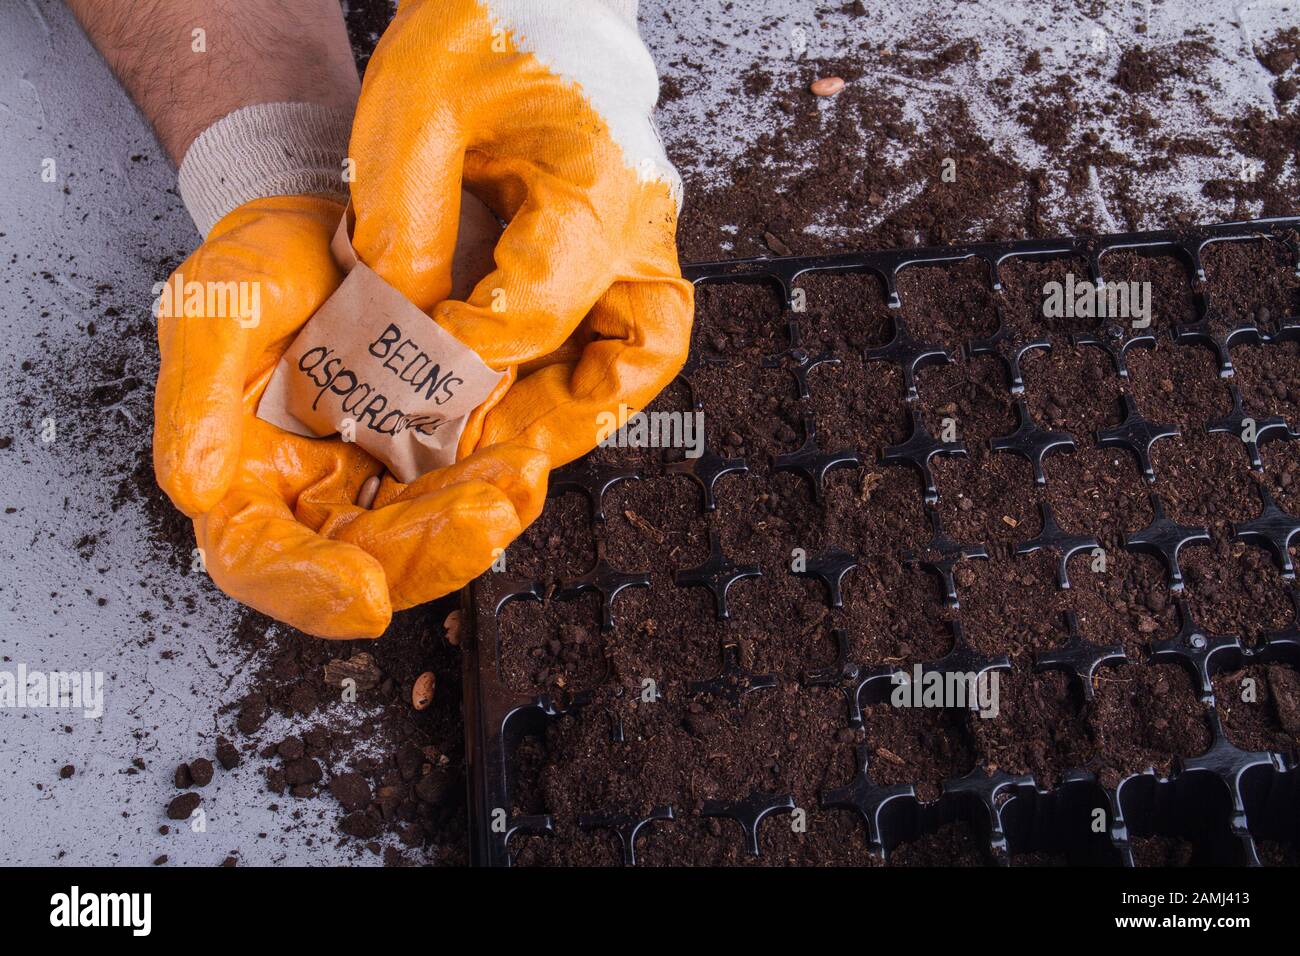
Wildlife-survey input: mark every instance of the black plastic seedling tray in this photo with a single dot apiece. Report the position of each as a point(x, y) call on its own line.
point(1221, 801)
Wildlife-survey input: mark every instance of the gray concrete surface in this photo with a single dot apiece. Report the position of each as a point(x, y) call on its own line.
point(104, 219)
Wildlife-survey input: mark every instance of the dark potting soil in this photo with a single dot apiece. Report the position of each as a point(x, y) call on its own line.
point(1161, 851)
point(953, 844)
point(625, 752)
point(1272, 853)
point(397, 776)
point(1260, 707)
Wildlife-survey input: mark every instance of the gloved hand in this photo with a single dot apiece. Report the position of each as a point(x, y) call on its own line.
point(274, 513)
point(541, 108)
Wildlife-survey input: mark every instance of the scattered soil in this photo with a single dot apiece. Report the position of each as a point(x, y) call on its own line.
point(181, 807)
point(944, 179)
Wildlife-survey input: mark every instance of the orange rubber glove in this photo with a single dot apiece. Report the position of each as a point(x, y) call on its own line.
point(540, 108)
point(284, 535)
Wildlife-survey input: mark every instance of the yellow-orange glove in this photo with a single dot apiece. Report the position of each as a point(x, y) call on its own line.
point(541, 108)
point(274, 513)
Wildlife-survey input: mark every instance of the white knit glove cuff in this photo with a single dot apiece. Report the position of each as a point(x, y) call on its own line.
point(271, 149)
point(627, 9)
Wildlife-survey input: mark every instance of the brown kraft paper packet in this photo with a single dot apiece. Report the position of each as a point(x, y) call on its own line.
point(372, 367)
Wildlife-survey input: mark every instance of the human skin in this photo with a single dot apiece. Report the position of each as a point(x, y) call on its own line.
point(256, 51)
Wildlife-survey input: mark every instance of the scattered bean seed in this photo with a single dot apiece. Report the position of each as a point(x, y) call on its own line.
point(422, 692)
point(451, 628)
point(827, 85)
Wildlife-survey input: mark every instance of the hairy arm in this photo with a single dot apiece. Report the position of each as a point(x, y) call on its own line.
point(248, 52)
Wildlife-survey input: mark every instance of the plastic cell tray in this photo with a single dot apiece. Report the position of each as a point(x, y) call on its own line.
point(1221, 801)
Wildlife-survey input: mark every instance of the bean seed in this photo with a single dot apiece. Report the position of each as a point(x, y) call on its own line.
point(827, 85)
point(451, 628)
point(370, 488)
point(422, 692)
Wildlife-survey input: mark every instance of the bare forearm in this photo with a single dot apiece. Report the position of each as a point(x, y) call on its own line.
point(187, 63)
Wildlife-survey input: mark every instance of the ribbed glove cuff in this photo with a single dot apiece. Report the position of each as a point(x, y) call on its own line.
point(271, 149)
point(627, 9)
